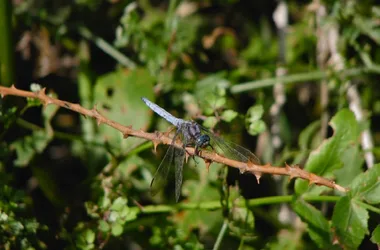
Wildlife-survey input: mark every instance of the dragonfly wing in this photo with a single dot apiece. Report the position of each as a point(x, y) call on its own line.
point(160, 178)
point(230, 149)
point(179, 160)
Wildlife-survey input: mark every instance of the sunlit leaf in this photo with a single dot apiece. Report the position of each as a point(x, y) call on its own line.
point(116, 229)
point(118, 97)
point(327, 158)
point(350, 222)
point(104, 226)
point(254, 113)
point(228, 115)
point(89, 236)
point(210, 122)
point(253, 121)
point(366, 187)
point(256, 127)
point(119, 204)
point(376, 235)
point(306, 136)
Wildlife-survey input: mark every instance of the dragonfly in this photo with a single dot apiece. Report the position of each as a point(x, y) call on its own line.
point(191, 134)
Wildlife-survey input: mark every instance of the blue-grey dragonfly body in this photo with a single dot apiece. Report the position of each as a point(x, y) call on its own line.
point(191, 133)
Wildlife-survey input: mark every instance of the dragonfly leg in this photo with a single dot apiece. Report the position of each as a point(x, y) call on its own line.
point(199, 149)
point(192, 155)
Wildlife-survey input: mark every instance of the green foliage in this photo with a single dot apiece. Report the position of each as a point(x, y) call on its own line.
point(253, 120)
point(318, 226)
point(70, 181)
point(17, 230)
point(351, 222)
point(328, 157)
point(118, 96)
point(28, 146)
point(172, 238)
point(376, 235)
point(365, 187)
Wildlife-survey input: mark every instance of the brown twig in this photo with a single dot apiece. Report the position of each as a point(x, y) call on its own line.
point(157, 138)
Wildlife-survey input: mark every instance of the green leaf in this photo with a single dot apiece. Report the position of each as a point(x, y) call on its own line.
point(89, 236)
point(306, 136)
point(119, 204)
point(210, 93)
point(376, 235)
point(243, 221)
point(202, 190)
point(129, 214)
point(85, 86)
point(211, 85)
point(366, 187)
point(317, 225)
point(327, 158)
point(198, 191)
point(118, 97)
point(352, 165)
point(8, 117)
point(28, 146)
point(256, 127)
point(253, 121)
point(105, 202)
point(210, 122)
point(117, 229)
point(286, 239)
point(85, 237)
point(307, 141)
point(104, 226)
point(254, 113)
point(368, 26)
point(350, 223)
point(228, 115)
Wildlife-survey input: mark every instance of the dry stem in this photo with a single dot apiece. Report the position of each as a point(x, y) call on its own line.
point(157, 138)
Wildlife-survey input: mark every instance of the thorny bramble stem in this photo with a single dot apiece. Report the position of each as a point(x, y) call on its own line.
point(157, 138)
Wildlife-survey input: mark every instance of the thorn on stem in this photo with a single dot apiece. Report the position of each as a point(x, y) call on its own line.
point(42, 92)
point(258, 176)
point(155, 144)
point(242, 170)
point(187, 157)
point(291, 171)
point(96, 114)
point(208, 164)
point(126, 131)
point(313, 179)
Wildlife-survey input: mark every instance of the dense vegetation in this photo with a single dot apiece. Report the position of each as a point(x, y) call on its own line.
point(294, 82)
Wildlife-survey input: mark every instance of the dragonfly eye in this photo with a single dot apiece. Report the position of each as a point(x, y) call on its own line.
point(203, 141)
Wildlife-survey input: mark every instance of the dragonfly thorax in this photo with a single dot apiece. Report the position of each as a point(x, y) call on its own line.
point(191, 131)
point(193, 136)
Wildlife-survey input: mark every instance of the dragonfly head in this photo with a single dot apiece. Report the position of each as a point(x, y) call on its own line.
point(202, 141)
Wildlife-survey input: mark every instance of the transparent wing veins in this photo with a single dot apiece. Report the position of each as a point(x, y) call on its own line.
point(172, 156)
point(160, 178)
point(230, 149)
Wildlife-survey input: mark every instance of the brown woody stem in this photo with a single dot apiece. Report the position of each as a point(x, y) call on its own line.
point(157, 138)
